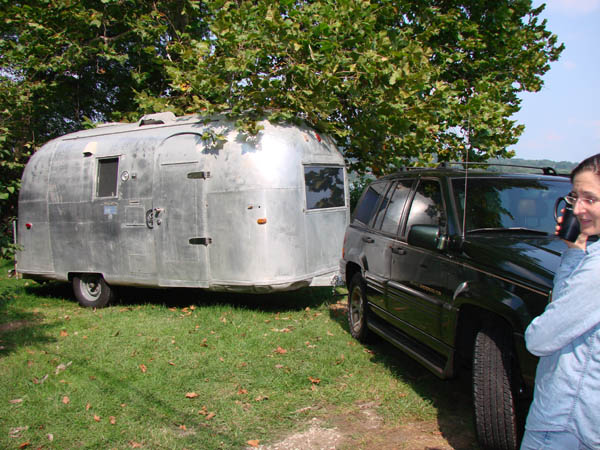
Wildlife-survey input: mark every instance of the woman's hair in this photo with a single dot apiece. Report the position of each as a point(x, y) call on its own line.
point(592, 163)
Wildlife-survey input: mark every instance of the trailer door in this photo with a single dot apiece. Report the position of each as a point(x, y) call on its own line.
point(179, 220)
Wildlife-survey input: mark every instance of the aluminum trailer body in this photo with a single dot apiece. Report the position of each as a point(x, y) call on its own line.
point(184, 202)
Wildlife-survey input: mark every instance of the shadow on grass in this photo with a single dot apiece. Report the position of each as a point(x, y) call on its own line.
point(452, 398)
point(182, 297)
point(20, 326)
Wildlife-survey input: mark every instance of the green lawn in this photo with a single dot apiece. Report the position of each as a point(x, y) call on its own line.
point(179, 369)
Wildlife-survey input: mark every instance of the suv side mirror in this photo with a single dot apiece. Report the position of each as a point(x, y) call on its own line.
point(427, 236)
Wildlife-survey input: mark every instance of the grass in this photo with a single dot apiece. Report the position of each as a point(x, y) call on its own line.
point(179, 369)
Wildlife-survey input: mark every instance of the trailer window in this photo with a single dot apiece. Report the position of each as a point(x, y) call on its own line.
point(324, 187)
point(106, 182)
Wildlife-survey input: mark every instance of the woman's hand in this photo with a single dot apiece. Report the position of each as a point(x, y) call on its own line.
point(581, 240)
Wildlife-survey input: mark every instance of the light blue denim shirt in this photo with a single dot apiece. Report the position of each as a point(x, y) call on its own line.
point(567, 339)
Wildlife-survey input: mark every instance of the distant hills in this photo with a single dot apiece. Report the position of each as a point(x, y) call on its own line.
point(564, 167)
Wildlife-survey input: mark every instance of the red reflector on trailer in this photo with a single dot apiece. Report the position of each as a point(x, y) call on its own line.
point(318, 137)
point(28, 226)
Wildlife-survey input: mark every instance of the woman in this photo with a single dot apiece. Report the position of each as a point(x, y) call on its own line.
point(565, 413)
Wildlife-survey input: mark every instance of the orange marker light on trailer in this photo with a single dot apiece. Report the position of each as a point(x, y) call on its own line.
point(262, 221)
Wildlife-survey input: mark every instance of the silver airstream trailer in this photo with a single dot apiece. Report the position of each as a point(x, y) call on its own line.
point(183, 202)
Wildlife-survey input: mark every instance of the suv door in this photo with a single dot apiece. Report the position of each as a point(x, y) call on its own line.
point(382, 220)
point(418, 277)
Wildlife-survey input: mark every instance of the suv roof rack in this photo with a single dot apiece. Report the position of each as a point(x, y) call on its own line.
point(545, 170)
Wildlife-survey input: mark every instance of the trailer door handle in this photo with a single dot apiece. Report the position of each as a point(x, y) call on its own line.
point(367, 239)
point(150, 218)
point(398, 251)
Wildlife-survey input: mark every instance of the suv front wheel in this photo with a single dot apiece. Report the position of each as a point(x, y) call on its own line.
point(493, 389)
point(357, 308)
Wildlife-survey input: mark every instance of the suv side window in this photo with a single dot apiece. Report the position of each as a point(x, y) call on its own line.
point(427, 207)
point(397, 198)
point(367, 205)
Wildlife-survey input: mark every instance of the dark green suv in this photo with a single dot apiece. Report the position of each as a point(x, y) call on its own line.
point(451, 266)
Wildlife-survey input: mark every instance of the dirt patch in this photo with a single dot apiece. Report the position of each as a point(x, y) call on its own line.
point(365, 429)
point(11, 326)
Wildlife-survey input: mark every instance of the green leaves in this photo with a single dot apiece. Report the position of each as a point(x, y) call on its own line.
point(392, 82)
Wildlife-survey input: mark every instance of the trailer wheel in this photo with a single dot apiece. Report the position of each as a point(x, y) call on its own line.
point(358, 309)
point(92, 291)
point(494, 389)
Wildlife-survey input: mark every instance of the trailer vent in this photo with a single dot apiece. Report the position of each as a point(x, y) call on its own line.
point(201, 241)
point(157, 119)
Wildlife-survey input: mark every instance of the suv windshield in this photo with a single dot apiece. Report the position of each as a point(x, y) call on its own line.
point(509, 203)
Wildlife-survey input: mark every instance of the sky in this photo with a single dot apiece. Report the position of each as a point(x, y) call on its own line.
point(562, 121)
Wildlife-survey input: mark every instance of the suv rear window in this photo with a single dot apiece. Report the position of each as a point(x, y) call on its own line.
point(395, 200)
point(368, 202)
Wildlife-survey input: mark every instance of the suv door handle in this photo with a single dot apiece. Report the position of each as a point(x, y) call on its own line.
point(367, 239)
point(398, 251)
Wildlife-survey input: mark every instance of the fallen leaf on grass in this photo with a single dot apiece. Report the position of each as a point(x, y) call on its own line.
point(183, 427)
point(16, 432)
point(204, 412)
point(50, 437)
point(281, 351)
point(25, 444)
point(242, 391)
point(16, 400)
point(314, 380)
point(88, 406)
point(62, 367)
point(113, 420)
point(96, 418)
point(143, 368)
point(203, 343)
point(191, 395)
point(283, 330)
point(171, 363)
point(66, 400)
point(134, 444)
point(63, 333)
point(260, 398)
point(40, 381)
point(253, 442)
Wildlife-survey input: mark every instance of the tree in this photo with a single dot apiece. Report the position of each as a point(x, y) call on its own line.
point(393, 82)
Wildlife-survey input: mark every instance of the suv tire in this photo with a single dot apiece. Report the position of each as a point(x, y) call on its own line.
point(493, 391)
point(358, 309)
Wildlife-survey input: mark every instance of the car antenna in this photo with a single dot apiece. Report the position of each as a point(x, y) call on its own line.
point(467, 148)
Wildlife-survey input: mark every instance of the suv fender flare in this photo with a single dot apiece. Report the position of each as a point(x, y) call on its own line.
point(496, 301)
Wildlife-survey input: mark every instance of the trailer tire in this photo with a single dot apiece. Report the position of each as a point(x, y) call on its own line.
point(494, 389)
point(91, 290)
